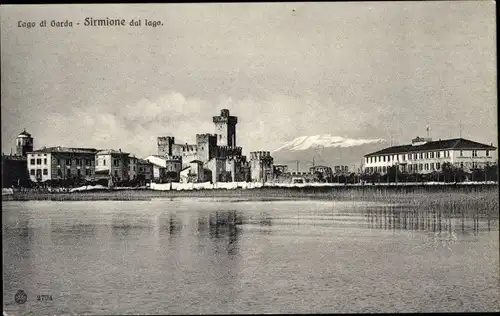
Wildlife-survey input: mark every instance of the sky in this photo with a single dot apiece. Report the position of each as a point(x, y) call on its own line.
point(357, 70)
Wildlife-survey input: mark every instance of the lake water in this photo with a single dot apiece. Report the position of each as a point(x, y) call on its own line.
point(188, 256)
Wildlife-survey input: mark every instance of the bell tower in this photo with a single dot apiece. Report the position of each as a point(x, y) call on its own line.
point(225, 128)
point(24, 143)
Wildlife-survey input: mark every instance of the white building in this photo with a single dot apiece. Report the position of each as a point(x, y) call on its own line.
point(425, 156)
point(60, 163)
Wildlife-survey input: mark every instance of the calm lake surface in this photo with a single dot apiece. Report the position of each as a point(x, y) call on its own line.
point(192, 256)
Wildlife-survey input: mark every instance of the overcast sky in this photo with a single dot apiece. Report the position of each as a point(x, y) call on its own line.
point(360, 70)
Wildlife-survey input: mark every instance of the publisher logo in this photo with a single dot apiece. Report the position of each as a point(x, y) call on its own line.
point(21, 297)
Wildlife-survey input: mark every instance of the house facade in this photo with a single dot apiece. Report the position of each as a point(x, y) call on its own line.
point(425, 156)
point(114, 163)
point(60, 163)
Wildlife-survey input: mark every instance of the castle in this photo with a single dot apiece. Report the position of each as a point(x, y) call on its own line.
point(215, 156)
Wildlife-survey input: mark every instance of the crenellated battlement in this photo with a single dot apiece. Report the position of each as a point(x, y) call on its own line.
point(165, 144)
point(227, 151)
point(260, 155)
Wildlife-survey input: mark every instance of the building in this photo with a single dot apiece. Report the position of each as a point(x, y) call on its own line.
point(132, 168)
point(425, 156)
point(14, 171)
point(261, 165)
point(173, 167)
point(114, 163)
point(322, 173)
point(144, 171)
point(217, 154)
point(61, 163)
point(15, 166)
point(24, 143)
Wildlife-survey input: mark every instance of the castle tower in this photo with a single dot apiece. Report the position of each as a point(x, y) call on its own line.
point(225, 128)
point(165, 145)
point(24, 143)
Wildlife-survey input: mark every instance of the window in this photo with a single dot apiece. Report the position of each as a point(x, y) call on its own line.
point(32, 161)
point(45, 172)
point(383, 157)
point(116, 173)
point(438, 165)
point(404, 157)
point(38, 172)
point(461, 165)
point(39, 161)
point(432, 154)
point(474, 153)
point(116, 162)
point(68, 161)
point(32, 172)
point(461, 153)
point(426, 155)
point(432, 166)
point(420, 167)
point(487, 153)
point(87, 172)
point(438, 154)
point(44, 161)
point(78, 162)
point(104, 162)
point(58, 162)
point(88, 162)
point(426, 166)
point(134, 168)
point(59, 172)
point(421, 155)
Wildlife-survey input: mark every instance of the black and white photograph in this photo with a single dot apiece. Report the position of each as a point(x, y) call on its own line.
point(249, 158)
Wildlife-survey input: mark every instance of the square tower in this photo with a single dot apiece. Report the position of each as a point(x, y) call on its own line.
point(225, 128)
point(165, 145)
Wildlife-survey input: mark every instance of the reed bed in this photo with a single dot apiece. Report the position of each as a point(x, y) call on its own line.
point(453, 200)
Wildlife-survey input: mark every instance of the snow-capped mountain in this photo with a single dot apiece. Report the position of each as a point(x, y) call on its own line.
point(318, 141)
point(325, 150)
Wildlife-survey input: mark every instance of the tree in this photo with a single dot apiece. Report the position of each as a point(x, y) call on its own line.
point(318, 176)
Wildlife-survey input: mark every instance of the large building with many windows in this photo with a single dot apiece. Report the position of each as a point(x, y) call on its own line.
point(60, 163)
point(425, 156)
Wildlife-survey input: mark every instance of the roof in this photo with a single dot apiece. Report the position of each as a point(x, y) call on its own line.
point(60, 149)
point(24, 133)
point(143, 161)
point(455, 143)
point(196, 161)
point(111, 151)
point(13, 157)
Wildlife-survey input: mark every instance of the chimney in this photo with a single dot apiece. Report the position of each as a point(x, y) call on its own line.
point(120, 150)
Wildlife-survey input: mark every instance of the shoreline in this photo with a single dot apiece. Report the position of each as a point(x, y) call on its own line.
point(378, 192)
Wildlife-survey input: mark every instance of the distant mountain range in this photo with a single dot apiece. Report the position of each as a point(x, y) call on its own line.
point(325, 150)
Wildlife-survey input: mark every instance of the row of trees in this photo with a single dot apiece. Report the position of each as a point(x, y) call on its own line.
point(448, 173)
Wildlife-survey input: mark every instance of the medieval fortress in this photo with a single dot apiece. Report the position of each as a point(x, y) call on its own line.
point(214, 157)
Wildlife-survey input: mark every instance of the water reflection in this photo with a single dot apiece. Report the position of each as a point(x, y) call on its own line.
point(224, 225)
point(403, 218)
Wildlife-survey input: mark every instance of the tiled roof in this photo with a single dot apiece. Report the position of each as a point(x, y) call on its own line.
point(455, 143)
point(111, 151)
point(60, 149)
